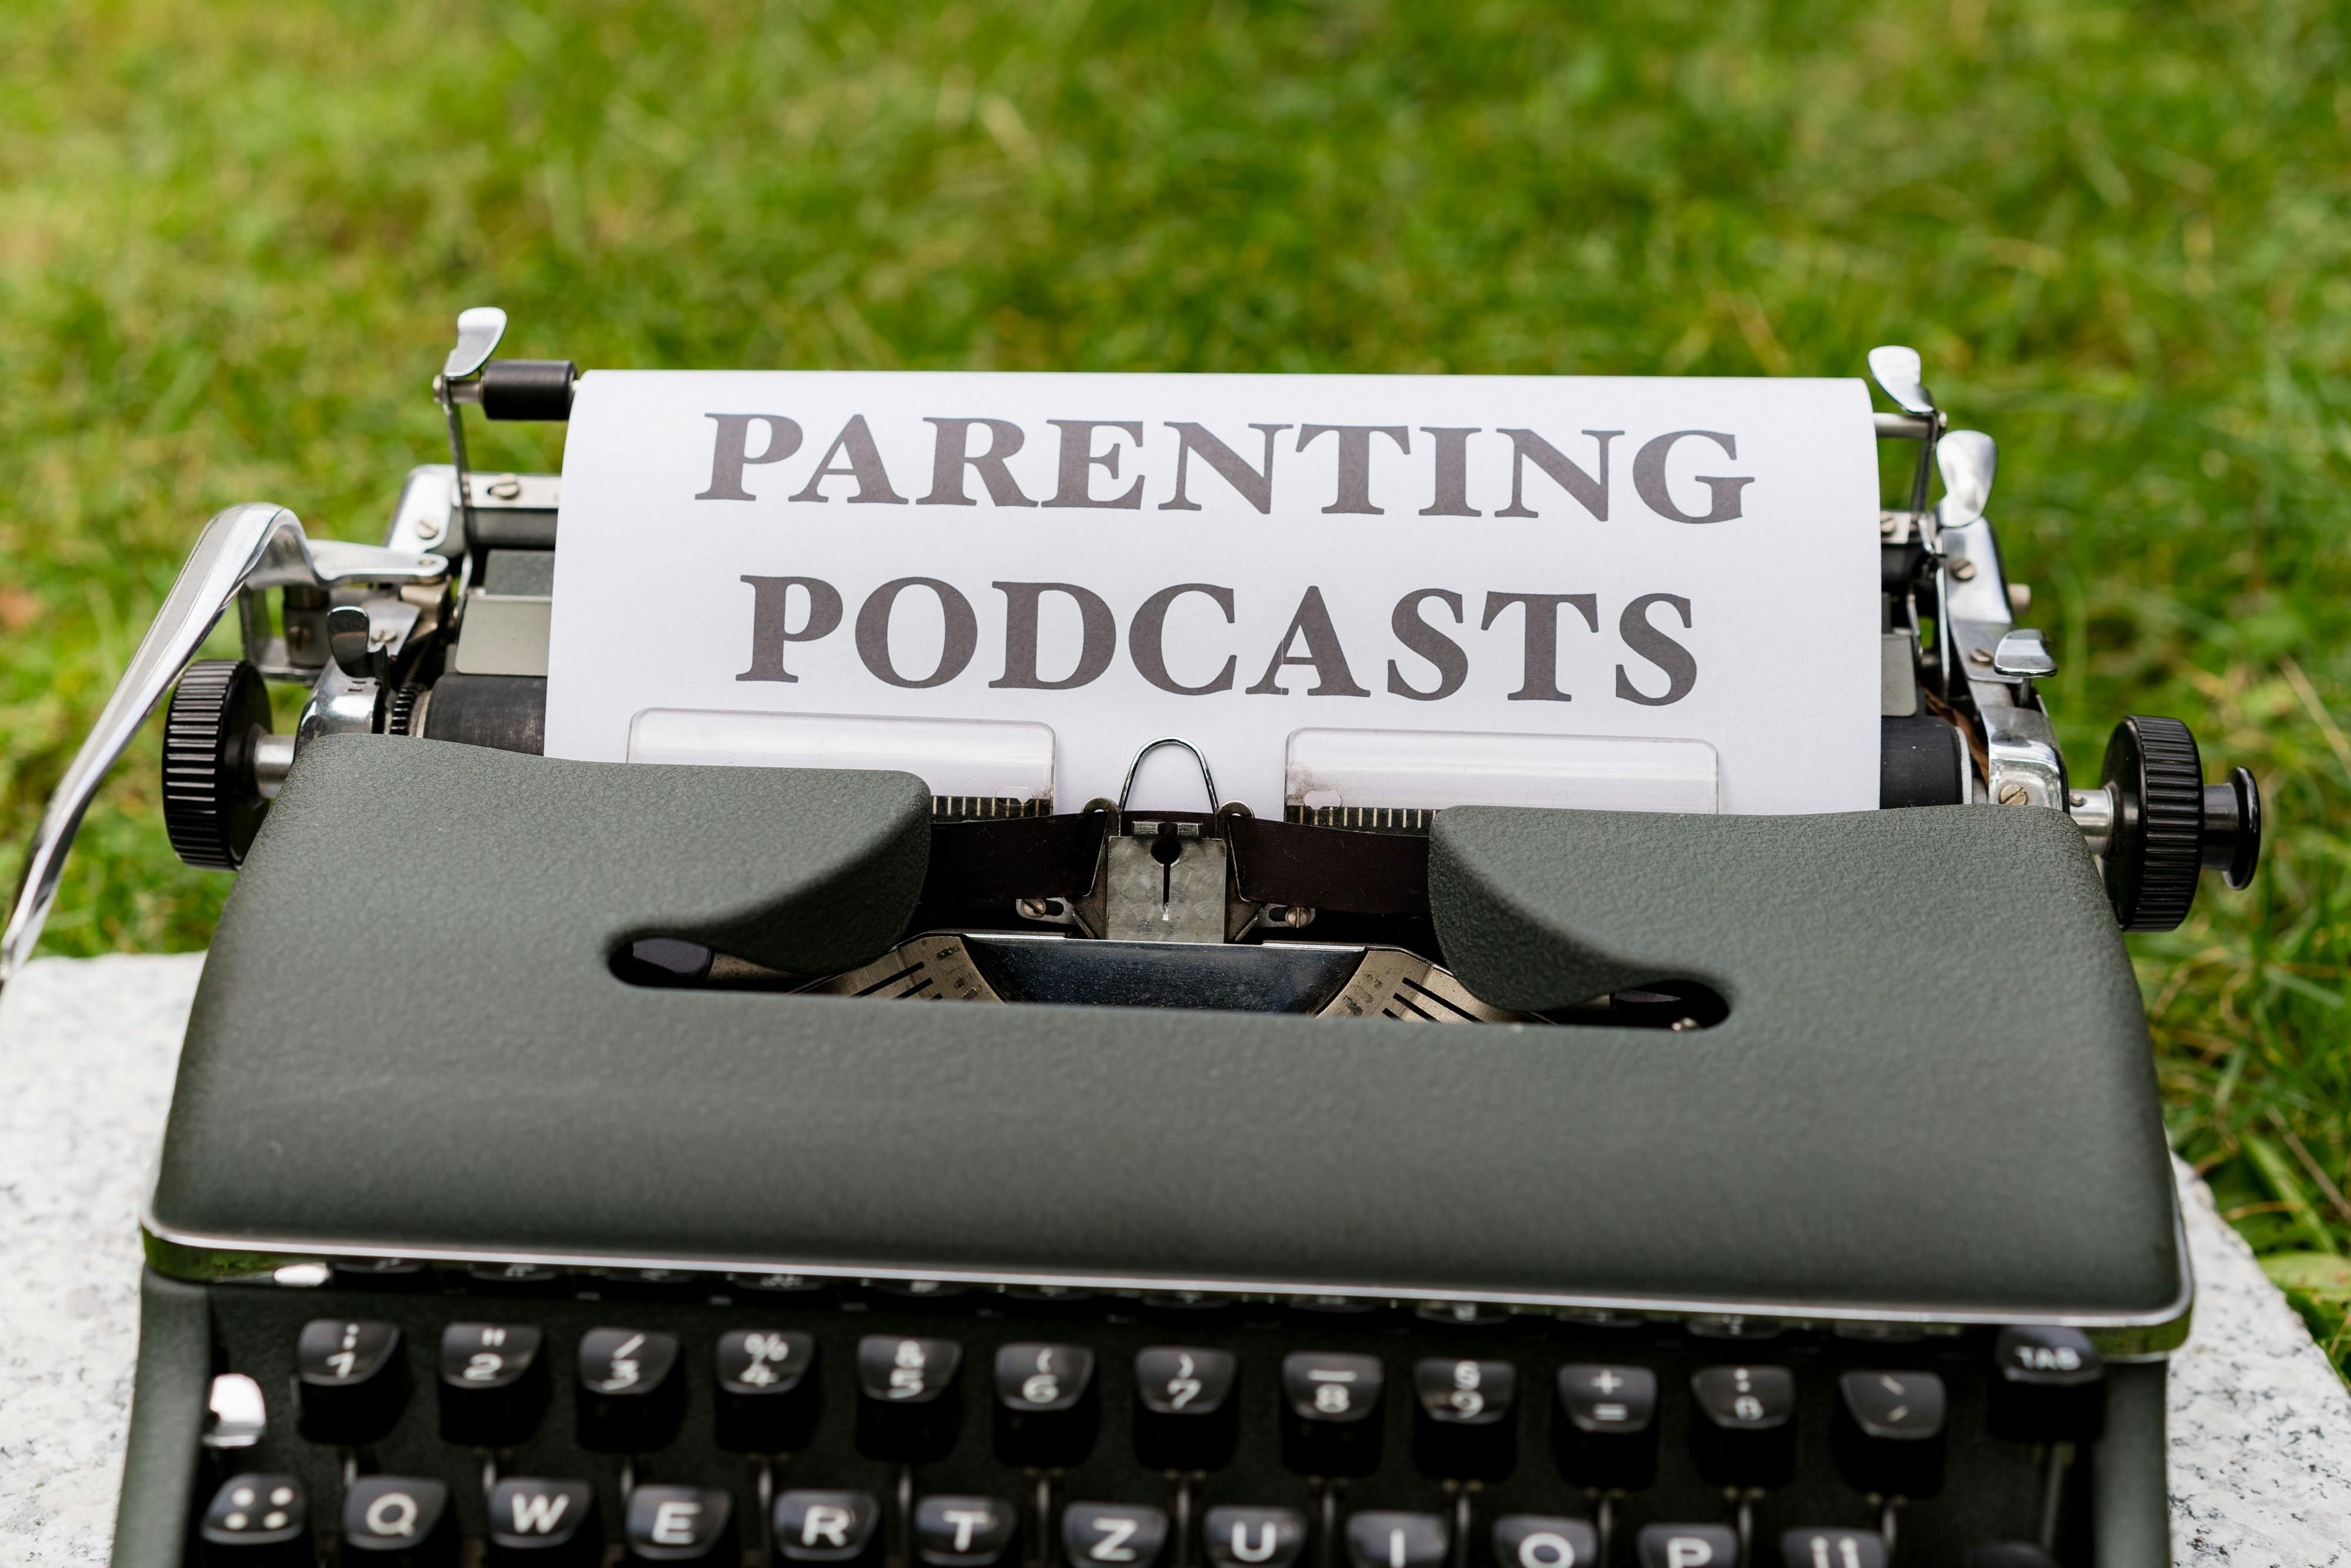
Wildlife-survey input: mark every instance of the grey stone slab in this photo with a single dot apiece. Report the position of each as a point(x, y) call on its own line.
point(2261, 1428)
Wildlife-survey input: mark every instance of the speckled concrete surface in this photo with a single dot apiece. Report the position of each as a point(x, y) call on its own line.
point(2261, 1429)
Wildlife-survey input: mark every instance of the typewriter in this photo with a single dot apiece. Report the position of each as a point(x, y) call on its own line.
point(560, 1174)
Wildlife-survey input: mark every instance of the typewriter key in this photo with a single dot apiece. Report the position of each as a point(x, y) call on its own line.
point(2051, 1387)
point(964, 1532)
point(1112, 1534)
point(492, 1384)
point(1254, 1537)
point(1889, 1432)
point(1688, 1546)
point(258, 1518)
point(1382, 1540)
point(1465, 1426)
point(1185, 1417)
point(826, 1526)
point(540, 1524)
point(1743, 1425)
point(1045, 1405)
point(766, 1398)
point(350, 1379)
point(682, 1524)
point(1815, 1548)
point(401, 1521)
point(631, 1396)
point(1331, 1409)
point(1544, 1541)
point(909, 1401)
point(1604, 1429)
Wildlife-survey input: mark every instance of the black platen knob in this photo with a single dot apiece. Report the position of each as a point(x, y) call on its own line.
point(2168, 825)
point(212, 804)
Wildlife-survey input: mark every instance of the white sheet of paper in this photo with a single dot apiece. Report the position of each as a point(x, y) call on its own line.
point(1250, 556)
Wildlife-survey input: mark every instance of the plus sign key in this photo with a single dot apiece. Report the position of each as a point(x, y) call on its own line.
point(1604, 1426)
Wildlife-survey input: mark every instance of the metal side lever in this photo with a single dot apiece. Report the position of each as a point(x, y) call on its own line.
point(252, 546)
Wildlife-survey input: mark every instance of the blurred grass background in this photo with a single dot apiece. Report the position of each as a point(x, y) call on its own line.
point(232, 238)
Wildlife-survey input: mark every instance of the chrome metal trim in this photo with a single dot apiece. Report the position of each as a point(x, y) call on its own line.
point(2120, 1337)
point(235, 1416)
point(252, 546)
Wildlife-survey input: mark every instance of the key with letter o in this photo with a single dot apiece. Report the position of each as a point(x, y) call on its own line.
point(1544, 1541)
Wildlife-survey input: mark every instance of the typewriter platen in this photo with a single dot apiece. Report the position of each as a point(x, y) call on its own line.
point(557, 1176)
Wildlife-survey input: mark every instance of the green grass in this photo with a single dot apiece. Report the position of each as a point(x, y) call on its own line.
point(232, 240)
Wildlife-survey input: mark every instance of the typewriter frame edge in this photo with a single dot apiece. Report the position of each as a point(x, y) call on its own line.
point(2124, 1337)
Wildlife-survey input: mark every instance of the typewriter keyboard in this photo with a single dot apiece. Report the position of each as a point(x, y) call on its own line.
point(436, 1417)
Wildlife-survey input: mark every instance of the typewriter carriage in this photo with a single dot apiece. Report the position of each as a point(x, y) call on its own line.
point(433, 635)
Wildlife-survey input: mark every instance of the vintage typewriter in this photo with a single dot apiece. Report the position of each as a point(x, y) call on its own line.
point(559, 1174)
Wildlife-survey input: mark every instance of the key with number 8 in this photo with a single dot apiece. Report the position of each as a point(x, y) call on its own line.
point(1330, 1408)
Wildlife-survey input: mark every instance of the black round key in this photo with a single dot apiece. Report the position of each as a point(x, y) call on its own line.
point(1604, 1426)
point(398, 1521)
point(909, 1399)
point(540, 1524)
point(1331, 1413)
point(1046, 1412)
point(1744, 1425)
point(1186, 1414)
point(1889, 1432)
point(1545, 1541)
point(1377, 1539)
point(1688, 1546)
point(1465, 1418)
point(492, 1384)
point(1813, 1547)
point(766, 1394)
point(964, 1532)
point(1254, 1537)
point(350, 1379)
point(826, 1526)
point(1112, 1534)
point(681, 1524)
point(2049, 1386)
point(259, 1518)
point(632, 1396)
